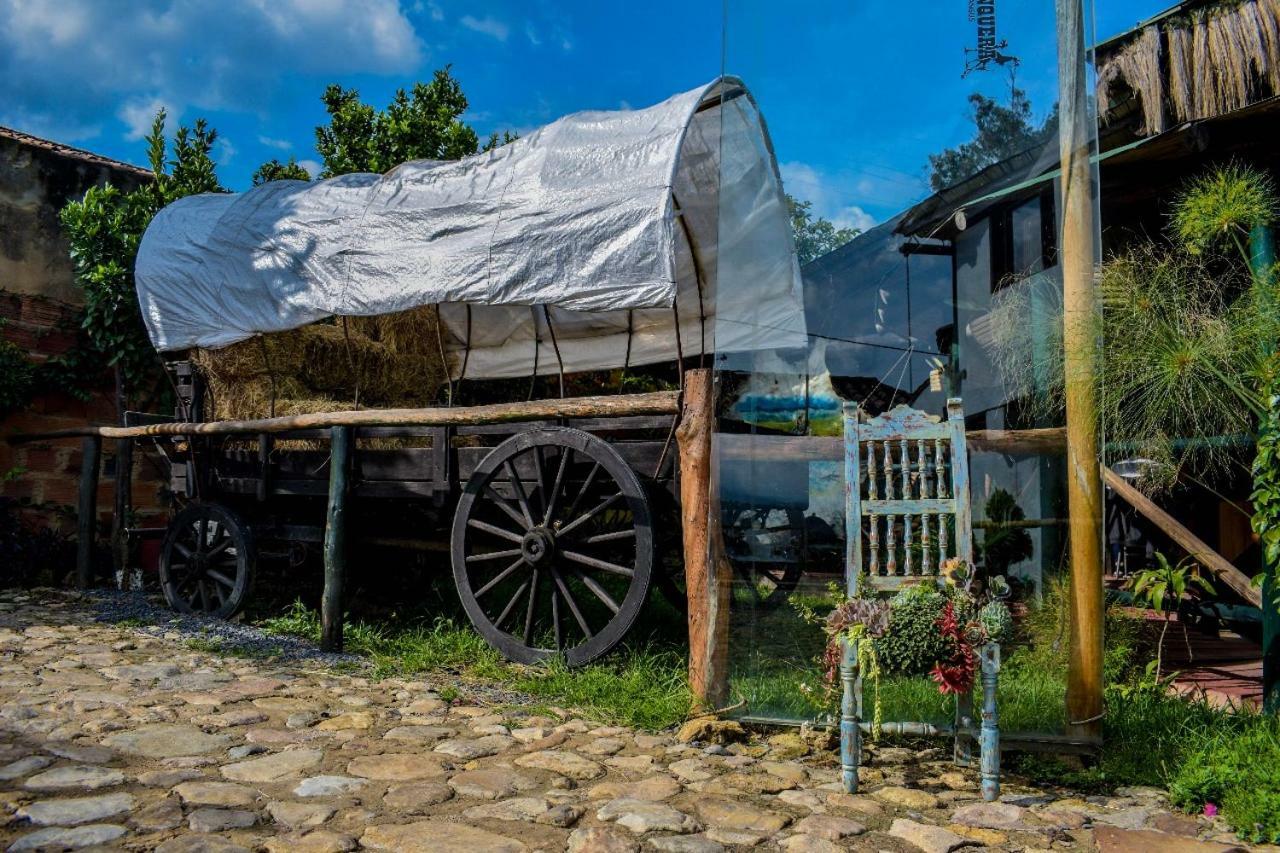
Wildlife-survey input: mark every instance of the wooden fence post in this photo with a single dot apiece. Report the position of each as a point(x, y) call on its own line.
point(123, 507)
point(1080, 309)
point(335, 539)
point(706, 572)
point(87, 522)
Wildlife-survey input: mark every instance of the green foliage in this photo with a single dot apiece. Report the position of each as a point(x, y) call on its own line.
point(913, 644)
point(17, 377)
point(423, 125)
point(495, 141)
point(1184, 336)
point(274, 170)
point(1223, 205)
point(1003, 546)
point(1265, 496)
point(999, 132)
point(104, 230)
point(1239, 771)
point(996, 621)
point(815, 236)
point(1151, 587)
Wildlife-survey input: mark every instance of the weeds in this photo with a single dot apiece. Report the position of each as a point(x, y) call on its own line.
point(643, 685)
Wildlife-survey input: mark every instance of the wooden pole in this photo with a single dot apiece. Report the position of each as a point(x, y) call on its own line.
point(123, 507)
point(706, 572)
point(335, 540)
point(1080, 308)
point(653, 403)
point(87, 521)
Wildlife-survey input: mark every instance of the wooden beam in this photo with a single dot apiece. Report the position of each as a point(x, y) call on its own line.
point(1196, 547)
point(653, 403)
point(1078, 256)
point(335, 540)
point(707, 574)
point(87, 511)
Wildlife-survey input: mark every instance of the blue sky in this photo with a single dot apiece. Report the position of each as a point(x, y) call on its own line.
point(856, 92)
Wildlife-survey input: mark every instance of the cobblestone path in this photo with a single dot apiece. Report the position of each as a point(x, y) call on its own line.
point(116, 739)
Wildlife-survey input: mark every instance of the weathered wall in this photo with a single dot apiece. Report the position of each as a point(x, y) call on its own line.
point(40, 312)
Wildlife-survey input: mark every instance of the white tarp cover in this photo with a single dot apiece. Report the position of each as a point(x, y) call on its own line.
point(566, 240)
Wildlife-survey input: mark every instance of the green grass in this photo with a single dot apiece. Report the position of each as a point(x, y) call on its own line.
point(642, 684)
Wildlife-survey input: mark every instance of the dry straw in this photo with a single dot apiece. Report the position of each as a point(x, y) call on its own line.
point(1204, 63)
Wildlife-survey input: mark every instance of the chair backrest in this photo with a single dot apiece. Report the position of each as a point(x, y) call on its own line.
point(906, 495)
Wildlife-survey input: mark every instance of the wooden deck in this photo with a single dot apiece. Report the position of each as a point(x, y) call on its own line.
point(1224, 668)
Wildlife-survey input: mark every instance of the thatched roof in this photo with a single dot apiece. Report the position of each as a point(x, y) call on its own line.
point(1194, 61)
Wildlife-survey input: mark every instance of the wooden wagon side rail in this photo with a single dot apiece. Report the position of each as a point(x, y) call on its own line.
point(653, 403)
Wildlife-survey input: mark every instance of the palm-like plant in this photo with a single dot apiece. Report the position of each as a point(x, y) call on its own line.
point(1166, 582)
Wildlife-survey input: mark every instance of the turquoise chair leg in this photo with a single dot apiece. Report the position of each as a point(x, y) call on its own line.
point(990, 734)
point(850, 717)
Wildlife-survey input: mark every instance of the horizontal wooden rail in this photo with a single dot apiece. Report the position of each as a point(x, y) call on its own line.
point(654, 403)
point(1196, 547)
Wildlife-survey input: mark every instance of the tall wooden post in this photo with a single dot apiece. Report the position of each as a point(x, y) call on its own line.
point(706, 572)
point(1080, 351)
point(87, 511)
point(123, 507)
point(335, 539)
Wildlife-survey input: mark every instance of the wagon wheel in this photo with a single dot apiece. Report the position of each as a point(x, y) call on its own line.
point(552, 546)
point(207, 561)
point(768, 578)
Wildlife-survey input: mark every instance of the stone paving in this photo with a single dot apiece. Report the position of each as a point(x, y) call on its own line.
point(116, 739)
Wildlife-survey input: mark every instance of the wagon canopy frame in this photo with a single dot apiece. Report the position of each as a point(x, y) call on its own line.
point(592, 243)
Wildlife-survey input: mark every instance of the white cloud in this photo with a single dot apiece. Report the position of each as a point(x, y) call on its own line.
point(282, 144)
point(854, 216)
point(437, 14)
point(139, 113)
point(313, 168)
point(531, 33)
point(91, 58)
point(846, 196)
point(226, 152)
point(488, 25)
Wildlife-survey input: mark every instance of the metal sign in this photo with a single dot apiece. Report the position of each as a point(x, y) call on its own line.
point(988, 49)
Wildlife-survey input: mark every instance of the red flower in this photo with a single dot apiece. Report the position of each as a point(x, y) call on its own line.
point(957, 673)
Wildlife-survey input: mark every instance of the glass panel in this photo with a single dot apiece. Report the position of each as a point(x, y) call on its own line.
point(919, 155)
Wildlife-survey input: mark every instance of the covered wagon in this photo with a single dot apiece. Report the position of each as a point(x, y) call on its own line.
point(593, 243)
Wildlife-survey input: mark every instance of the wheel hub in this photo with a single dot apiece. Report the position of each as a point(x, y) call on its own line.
point(538, 546)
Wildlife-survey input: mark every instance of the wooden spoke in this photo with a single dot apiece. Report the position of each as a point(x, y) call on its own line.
point(222, 579)
point(555, 618)
point(629, 533)
point(586, 487)
point(533, 601)
point(573, 605)
point(511, 606)
point(183, 550)
point(598, 590)
point(603, 565)
point(501, 503)
point(493, 555)
point(555, 489)
point(518, 488)
point(583, 519)
point(495, 530)
point(500, 577)
point(223, 544)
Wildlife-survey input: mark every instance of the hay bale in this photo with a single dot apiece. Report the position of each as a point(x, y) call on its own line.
point(327, 367)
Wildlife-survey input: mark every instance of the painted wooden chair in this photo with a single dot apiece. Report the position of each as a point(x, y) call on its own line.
point(906, 513)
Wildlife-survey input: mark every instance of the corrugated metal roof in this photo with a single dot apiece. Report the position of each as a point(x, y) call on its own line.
point(71, 152)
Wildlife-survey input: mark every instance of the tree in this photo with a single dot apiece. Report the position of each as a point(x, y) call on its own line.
point(104, 230)
point(274, 170)
point(815, 236)
point(999, 132)
point(423, 125)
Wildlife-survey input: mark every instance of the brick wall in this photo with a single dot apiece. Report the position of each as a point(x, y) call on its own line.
point(40, 311)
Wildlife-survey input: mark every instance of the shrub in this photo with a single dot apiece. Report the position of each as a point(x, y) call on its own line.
point(17, 377)
point(1240, 773)
point(913, 643)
